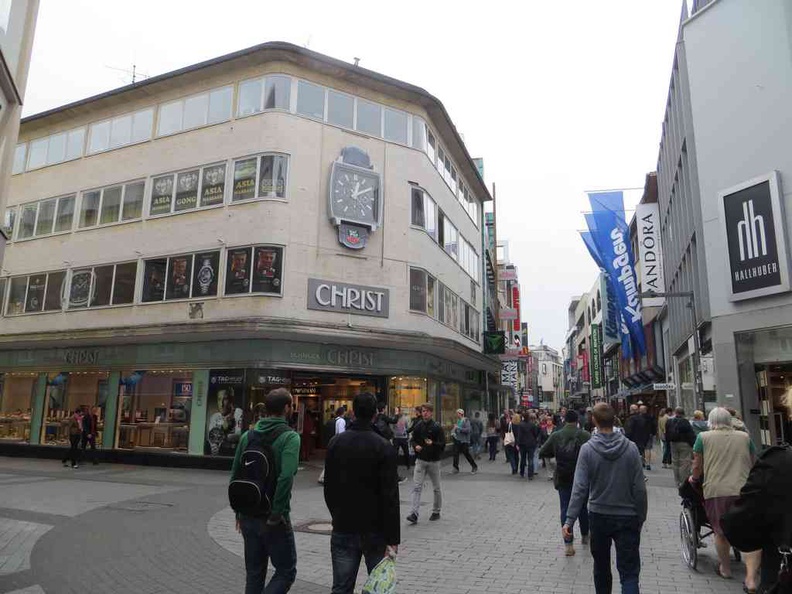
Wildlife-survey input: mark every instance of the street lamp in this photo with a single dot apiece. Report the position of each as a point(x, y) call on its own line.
point(691, 297)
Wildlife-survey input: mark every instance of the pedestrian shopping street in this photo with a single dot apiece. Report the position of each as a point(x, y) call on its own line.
point(143, 530)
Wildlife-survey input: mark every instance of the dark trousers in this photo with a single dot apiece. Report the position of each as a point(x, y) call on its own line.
point(464, 449)
point(262, 544)
point(527, 454)
point(74, 451)
point(564, 496)
point(346, 551)
point(401, 444)
point(666, 452)
point(492, 446)
point(511, 456)
point(625, 533)
point(86, 441)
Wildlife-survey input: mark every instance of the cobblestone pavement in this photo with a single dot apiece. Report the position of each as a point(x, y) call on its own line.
point(121, 529)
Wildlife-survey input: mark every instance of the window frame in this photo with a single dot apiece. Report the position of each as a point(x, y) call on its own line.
point(256, 197)
point(193, 256)
point(262, 82)
point(111, 122)
point(101, 190)
point(19, 208)
point(65, 298)
point(5, 294)
point(252, 247)
point(182, 102)
point(174, 175)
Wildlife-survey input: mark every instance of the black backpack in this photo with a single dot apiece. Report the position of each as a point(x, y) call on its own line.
point(566, 460)
point(253, 489)
point(383, 427)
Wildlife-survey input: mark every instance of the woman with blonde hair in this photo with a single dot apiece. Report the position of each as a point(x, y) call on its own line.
point(724, 457)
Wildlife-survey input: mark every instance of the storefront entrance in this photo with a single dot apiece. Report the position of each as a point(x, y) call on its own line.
point(773, 383)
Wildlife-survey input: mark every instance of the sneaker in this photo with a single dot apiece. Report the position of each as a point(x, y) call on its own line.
point(413, 519)
point(584, 540)
point(474, 471)
point(320, 481)
point(76, 466)
point(569, 550)
point(434, 517)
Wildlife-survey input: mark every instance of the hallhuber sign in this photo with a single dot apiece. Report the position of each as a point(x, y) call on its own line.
point(345, 298)
point(753, 222)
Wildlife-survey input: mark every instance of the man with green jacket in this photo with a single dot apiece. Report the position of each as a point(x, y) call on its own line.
point(272, 538)
point(564, 445)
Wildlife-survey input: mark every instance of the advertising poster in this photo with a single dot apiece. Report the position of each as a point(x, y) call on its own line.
point(238, 271)
point(244, 180)
point(161, 195)
point(268, 269)
point(213, 186)
point(154, 280)
point(207, 268)
point(179, 275)
point(225, 408)
point(187, 190)
point(35, 292)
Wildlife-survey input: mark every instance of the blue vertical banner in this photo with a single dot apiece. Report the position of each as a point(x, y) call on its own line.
point(611, 234)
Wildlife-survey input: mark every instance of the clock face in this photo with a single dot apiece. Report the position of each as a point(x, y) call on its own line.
point(355, 195)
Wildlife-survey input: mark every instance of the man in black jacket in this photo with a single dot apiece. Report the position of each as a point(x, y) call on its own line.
point(428, 440)
point(638, 431)
point(526, 434)
point(680, 437)
point(362, 494)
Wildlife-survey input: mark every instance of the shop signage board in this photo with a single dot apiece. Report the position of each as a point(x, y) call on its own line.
point(509, 373)
point(507, 274)
point(664, 387)
point(650, 252)
point(494, 343)
point(596, 357)
point(360, 300)
point(516, 304)
point(753, 226)
point(507, 313)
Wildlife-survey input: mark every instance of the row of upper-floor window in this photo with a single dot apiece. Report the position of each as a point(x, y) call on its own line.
point(252, 269)
point(426, 215)
point(255, 177)
point(271, 92)
point(431, 297)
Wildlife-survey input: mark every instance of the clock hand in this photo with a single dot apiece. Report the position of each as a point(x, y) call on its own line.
point(361, 192)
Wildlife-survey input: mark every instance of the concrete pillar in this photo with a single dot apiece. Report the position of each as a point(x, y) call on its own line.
point(37, 408)
point(198, 412)
point(111, 411)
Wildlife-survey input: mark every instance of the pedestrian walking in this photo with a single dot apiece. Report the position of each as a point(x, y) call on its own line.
point(665, 415)
point(680, 436)
point(267, 458)
point(362, 494)
point(610, 473)
point(699, 423)
point(461, 437)
point(637, 430)
point(526, 434)
point(337, 425)
point(90, 424)
point(400, 436)
point(492, 433)
point(73, 427)
point(510, 445)
point(428, 440)
point(651, 423)
point(723, 458)
point(476, 431)
point(564, 445)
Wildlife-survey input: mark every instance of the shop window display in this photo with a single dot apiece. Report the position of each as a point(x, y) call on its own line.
point(155, 409)
point(16, 397)
point(226, 414)
point(67, 392)
point(407, 393)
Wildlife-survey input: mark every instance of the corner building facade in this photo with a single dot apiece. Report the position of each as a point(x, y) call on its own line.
point(272, 217)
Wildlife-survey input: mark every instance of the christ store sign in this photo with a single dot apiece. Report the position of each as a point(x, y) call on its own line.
point(344, 298)
point(752, 221)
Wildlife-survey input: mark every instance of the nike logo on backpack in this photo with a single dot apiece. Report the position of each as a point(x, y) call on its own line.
point(249, 463)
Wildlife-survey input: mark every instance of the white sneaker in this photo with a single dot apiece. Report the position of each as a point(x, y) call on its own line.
point(76, 466)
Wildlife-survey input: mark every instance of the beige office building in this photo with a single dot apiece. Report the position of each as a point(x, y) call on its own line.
point(272, 217)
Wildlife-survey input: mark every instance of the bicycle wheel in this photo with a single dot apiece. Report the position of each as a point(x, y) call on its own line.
point(688, 537)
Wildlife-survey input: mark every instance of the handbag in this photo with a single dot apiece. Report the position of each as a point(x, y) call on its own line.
point(508, 437)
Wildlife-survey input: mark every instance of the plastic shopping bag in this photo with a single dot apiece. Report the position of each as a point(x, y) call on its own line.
point(382, 580)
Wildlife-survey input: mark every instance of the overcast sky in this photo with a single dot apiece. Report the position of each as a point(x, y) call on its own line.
point(557, 97)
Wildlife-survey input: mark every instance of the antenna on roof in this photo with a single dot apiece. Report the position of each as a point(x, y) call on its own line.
point(357, 61)
point(134, 74)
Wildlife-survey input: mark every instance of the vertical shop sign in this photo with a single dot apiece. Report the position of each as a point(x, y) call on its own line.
point(509, 373)
point(650, 253)
point(596, 356)
point(516, 306)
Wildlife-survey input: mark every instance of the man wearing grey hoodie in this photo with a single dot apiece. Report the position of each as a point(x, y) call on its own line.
point(610, 473)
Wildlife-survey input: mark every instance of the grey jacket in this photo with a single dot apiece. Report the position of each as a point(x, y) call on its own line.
point(462, 432)
point(610, 473)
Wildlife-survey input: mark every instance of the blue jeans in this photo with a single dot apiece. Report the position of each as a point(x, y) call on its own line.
point(625, 533)
point(492, 446)
point(346, 551)
point(527, 454)
point(511, 456)
point(564, 496)
point(263, 543)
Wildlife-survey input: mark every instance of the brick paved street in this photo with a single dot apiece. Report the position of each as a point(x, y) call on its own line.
point(124, 529)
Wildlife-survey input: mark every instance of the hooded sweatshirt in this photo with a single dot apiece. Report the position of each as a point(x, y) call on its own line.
point(610, 473)
point(287, 454)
